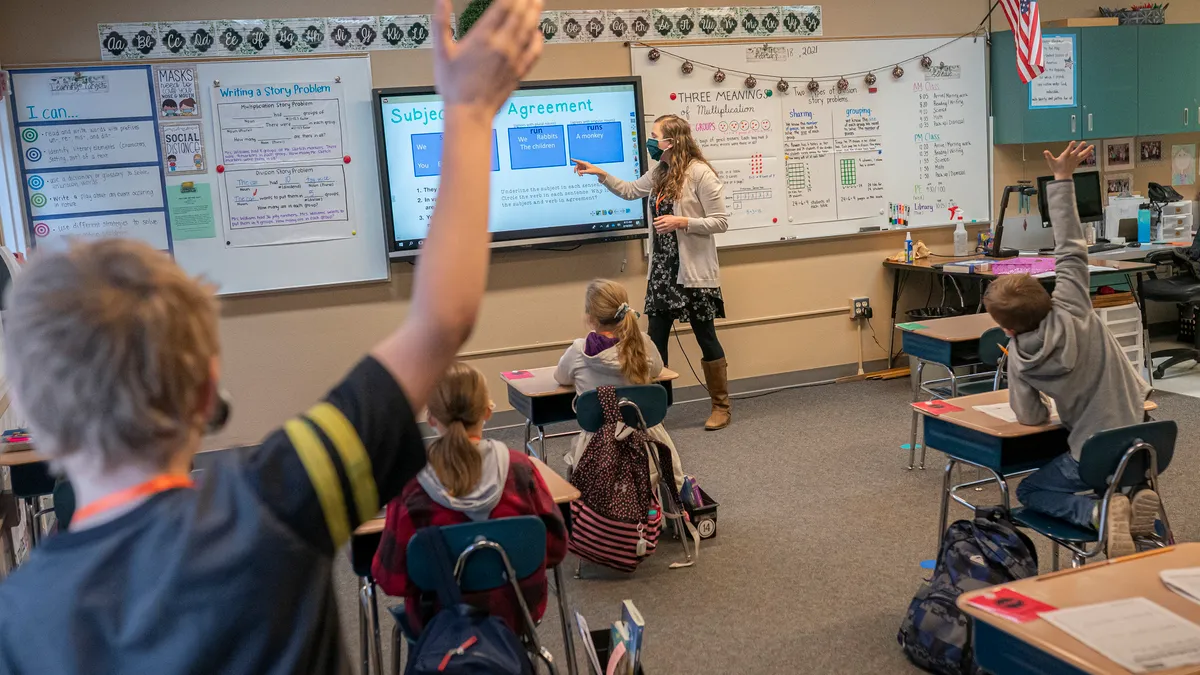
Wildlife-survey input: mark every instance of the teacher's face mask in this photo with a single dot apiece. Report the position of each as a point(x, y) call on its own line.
point(653, 149)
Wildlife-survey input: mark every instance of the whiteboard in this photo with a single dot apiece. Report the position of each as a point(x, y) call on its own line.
point(100, 155)
point(798, 165)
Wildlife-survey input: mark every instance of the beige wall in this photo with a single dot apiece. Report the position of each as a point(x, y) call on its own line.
point(282, 350)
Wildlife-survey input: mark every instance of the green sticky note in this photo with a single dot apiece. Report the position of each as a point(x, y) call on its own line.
point(910, 326)
point(191, 211)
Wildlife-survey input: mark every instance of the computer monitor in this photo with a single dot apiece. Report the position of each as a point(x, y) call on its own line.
point(1089, 199)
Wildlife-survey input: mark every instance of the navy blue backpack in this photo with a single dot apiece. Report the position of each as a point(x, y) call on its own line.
point(460, 639)
point(975, 554)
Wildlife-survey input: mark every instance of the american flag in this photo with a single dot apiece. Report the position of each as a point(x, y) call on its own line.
point(1027, 33)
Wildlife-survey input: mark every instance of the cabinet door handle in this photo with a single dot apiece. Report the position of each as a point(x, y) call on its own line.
point(1073, 123)
point(1186, 113)
point(1089, 121)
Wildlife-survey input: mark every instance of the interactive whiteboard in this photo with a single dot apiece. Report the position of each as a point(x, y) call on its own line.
point(257, 175)
point(798, 164)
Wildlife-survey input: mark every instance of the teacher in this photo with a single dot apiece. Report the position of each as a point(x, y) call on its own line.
point(684, 283)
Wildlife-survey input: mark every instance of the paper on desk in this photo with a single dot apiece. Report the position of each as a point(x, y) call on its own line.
point(1136, 633)
point(1091, 270)
point(1185, 582)
point(1004, 411)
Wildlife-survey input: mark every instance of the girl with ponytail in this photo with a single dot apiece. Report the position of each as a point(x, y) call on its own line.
point(616, 352)
point(467, 478)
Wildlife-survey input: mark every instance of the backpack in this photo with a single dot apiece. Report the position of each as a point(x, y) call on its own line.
point(461, 639)
point(975, 554)
point(617, 519)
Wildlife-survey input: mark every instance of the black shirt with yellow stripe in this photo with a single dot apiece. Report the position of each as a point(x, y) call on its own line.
point(233, 576)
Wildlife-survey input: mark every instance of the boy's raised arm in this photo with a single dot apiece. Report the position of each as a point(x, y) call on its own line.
point(1072, 281)
point(474, 77)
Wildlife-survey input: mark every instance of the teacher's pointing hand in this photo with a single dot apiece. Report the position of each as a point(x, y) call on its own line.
point(583, 168)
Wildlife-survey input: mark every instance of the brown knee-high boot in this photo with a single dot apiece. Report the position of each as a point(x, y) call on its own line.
point(716, 377)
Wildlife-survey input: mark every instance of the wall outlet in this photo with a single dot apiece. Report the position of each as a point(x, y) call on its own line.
point(860, 308)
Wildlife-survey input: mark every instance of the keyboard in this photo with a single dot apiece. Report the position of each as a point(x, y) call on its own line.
point(1100, 248)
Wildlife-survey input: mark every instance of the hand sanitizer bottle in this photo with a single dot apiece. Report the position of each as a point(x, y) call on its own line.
point(908, 249)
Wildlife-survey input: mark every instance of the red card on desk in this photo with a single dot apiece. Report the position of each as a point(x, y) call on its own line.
point(517, 375)
point(1011, 605)
point(937, 407)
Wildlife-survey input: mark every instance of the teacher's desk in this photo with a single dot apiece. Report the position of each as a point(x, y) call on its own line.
point(933, 266)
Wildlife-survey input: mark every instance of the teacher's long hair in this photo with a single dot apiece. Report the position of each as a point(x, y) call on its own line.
point(670, 178)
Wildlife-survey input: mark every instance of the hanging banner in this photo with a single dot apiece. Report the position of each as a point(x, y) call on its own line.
point(335, 35)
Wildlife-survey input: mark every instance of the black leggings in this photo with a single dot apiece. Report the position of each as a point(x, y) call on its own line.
point(706, 337)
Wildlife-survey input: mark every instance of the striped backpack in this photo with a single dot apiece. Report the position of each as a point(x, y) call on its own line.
point(617, 520)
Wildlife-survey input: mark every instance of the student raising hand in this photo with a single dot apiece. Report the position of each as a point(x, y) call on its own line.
point(1065, 164)
point(474, 77)
point(482, 69)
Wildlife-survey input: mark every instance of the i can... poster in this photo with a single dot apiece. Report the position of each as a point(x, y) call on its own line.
point(183, 149)
point(177, 91)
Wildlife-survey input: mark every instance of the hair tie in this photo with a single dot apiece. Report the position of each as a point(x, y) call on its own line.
point(623, 310)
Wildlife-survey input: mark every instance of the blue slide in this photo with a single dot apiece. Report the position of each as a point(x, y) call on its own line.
point(427, 154)
point(601, 143)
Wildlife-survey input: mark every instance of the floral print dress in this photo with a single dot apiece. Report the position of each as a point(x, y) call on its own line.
point(665, 296)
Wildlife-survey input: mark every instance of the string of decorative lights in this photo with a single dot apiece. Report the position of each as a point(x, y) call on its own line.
point(814, 83)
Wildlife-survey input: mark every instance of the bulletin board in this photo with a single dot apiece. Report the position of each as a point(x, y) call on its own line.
point(801, 164)
point(257, 175)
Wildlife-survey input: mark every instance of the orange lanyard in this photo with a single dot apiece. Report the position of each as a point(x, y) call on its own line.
point(658, 202)
point(160, 483)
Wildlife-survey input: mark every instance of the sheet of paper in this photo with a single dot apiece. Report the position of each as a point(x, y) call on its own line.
point(1136, 633)
point(1185, 582)
point(1004, 411)
point(1055, 88)
point(191, 209)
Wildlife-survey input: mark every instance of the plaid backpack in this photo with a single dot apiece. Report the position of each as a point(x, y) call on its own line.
point(986, 551)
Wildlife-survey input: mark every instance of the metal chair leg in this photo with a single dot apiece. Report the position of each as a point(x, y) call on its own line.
point(912, 436)
point(945, 509)
point(1077, 561)
point(364, 636)
point(564, 611)
point(578, 567)
point(373, 608)
point(1053, 556)
point(397, 650)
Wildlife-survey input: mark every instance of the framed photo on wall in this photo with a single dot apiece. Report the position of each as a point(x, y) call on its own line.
point(1092, 163)
point(1150, 150)
point(1118, 154)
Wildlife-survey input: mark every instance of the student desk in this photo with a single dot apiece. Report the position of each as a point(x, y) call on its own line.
point(932, 266)
point(541, 401)
point(366, 539)
point(1003, 647)
point(950, 342)
point(1003, 449)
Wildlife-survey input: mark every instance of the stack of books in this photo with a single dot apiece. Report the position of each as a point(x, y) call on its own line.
point(626, 638)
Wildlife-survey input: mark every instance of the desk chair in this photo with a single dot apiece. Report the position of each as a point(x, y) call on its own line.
point(362, 552)
point(30, 483)
point(991, 355)
point(642, 406)
point(1183, 288)
point(518, 548)
point(1112, 460)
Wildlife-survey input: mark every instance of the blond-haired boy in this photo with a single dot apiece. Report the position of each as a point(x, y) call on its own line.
point(114, 357)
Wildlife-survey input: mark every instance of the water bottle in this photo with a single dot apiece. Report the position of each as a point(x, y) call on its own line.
point(908, 250)
point(1144, 224)
point(960, 239)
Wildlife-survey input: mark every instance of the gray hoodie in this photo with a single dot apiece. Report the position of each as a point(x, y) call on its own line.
point(1072, 357)
point(586, 372)
point(478, 504)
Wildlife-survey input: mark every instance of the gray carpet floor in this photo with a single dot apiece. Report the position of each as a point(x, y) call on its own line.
point(820, 535)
